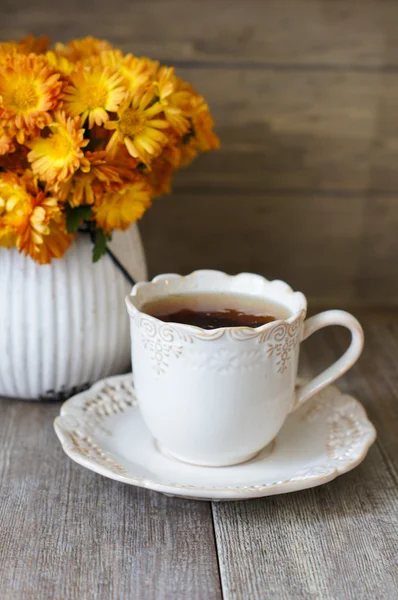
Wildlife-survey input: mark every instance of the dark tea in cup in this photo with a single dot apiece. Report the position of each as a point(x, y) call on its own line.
point(214, 310)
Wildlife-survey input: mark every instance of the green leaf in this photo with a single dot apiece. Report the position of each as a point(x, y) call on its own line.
point(74, 216)
point(99, 244)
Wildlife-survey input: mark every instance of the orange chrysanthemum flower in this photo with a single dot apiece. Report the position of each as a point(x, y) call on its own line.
point(82, 48)
point(56, 157)
point(117, 210)
point(93, 93)
point(60, 63)
point(14, 208)
point(33, 44)
point(139, 126)
point(171, 99)
point(108, 169)
point(181, 150)
point(106, 173)
point(188, 151)
point(186, 98)
point(203, 127)
point(26, 45)
point(7, 49)
point(159, 177)
point(31, 219)
point(85, 124)
point(7, 144)
point(29, 90)
point(45, 236)
point(134, 71)
point(79, 189)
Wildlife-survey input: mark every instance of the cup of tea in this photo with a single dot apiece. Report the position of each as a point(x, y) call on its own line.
point(215, 361)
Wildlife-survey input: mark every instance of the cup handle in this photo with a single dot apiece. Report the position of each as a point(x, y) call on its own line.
point(345, 362)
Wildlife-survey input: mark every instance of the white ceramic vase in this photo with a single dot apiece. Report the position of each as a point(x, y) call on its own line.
point(64, 325)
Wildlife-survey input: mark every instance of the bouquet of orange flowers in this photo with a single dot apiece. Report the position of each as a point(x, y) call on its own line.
point(88, 135)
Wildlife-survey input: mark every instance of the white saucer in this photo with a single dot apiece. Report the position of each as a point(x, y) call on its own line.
point(102, 430)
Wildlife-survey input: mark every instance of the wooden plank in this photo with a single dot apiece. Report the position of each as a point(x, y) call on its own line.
point(310, 130)
point(325, 245)
point(290, 130)
point(376, 278)
point(378, 391)
point(287, 130)
point(71, 534)
point(281, 128)
point(305, 33)
point(337, 541)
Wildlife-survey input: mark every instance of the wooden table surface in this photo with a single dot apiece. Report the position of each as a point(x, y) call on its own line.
point(304, 95)
point(69, 534)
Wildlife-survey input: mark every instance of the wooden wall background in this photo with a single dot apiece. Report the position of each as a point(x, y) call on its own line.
point(305, 97)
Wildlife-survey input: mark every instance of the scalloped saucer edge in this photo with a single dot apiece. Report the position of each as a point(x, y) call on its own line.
point(102, 430)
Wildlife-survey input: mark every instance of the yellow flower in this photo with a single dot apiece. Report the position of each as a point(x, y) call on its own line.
point(12, 197)
point(117, 210)
point(56, 157)
point(84, 124)
point(93, 93)
point(8, 48)
point(60, 63)
point(29, 90)
point(186, 98)
point(15, 203)
point(138, 126)
point(171, 99)
point(82, 48)
point(134, 71)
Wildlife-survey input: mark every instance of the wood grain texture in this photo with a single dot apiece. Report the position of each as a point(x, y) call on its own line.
point(333, 543)
point(334, 248)
point(304, 94)
point(288, 130)
point(281, 128)
point(338, 541)
point(375, 380)
point(67, 533)
point(359, 34)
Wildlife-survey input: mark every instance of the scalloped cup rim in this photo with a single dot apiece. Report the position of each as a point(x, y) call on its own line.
point(284, 289)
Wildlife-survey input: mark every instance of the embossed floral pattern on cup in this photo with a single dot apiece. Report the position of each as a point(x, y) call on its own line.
point(163, 342)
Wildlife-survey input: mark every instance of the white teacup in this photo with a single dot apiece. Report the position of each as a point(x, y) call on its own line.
point(217, 397)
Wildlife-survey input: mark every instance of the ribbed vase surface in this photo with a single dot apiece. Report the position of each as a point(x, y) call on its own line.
point(64, 325)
